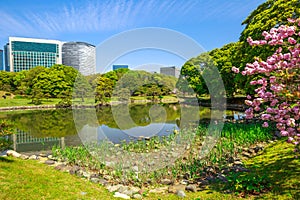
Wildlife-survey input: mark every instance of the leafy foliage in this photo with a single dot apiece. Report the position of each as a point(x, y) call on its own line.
point(247, 183)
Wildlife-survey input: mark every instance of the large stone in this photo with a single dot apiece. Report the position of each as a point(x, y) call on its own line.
point(114, 188)
point(120, 195)
point(49, 162)
point(95, 180)
point(103, 182)
point(180, 193)
point(246, 154)
point(13, 153)
point(166, 181)
point(33, 157)
point(238, 163)
point(24, 157)
point(191, 187)
point(137, 196)
point(159, 190)
point(42, 159)
point(175, 188)
point(122, 189)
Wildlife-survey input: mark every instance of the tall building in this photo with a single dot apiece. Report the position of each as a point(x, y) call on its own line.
point(115, 67)
point(80, 55)
point(6, 57)
point(170, 71)
point(27, 53)
point(1, 60)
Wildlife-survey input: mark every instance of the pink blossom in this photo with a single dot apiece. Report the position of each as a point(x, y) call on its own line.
point(284, 133)
point(249, 103)
point(265, 124)
point(272, 79)
point(235, 70)
point(265, 116)
point(292, 40)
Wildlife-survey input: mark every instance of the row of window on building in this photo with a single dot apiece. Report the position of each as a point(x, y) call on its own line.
point(26, 53)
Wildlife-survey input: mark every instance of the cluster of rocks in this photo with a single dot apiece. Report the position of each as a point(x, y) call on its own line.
point(178, 187)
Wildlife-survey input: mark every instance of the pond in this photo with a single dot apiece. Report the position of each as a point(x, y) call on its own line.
point(39, 130)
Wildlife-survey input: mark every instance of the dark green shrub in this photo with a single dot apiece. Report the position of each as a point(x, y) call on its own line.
point(243, 183)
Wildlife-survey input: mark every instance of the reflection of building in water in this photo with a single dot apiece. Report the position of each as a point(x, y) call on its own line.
point(23, 142)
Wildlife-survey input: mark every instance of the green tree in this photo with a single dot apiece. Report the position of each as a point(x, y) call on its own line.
point(104, 89)
point(5, 130)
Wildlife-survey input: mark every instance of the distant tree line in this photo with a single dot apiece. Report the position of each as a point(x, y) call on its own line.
point(64, 82)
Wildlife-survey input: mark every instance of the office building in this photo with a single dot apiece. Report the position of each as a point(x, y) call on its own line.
point(1, 60)
point(27, 53)
point(6, 57)
point(115, 67)
point(80, 55)
point(170, 71)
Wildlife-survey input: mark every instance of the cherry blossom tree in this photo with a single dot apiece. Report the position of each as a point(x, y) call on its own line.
point(277, 80)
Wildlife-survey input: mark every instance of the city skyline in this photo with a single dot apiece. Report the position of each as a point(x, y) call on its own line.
point(212, 24)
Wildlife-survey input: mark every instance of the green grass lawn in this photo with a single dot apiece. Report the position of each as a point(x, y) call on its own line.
point(283, 169)
point(25, 102)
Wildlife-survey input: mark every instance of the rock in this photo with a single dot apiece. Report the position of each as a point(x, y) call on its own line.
point(175, 188)
point(246, 154)
point(49, 162)
point(135, 168)
point(258, 148)
point(135, 189)
point(120, 195)
point(74, 170)
point(166, 181)
point(159, 190)
point(238, 168)
point(43, 155)
point(86, 174)
point(238, 163)
point(251, 151)
point(122, 189)
point(192, 188)
point(24, 157)
point(103, 182)
point(107, 177)
point(50, 157)
point(114, 188)
point(222, 178)
point(60, 167)
point(128, 192)
point(180, 193)
point(137, 196)
point(13, 153)
point(33, 157)
point(94, 180)
point(42, 159)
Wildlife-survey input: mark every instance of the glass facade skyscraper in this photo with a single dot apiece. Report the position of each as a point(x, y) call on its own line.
point(27, 53)
point(1, 60)
point(81, 56)
point(115, 67)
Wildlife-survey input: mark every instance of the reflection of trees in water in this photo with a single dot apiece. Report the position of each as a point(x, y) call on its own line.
point(60, 122)
point(139, 115)
point(47, 123)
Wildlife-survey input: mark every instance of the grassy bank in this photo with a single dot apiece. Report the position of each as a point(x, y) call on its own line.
point(232, 139)
point(26, 179)
point(25, 102)
point(10, 102)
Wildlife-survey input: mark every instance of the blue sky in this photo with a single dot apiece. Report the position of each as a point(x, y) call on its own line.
point(211, 23)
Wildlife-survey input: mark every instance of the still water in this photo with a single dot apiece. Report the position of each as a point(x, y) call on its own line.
point(39, 130)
